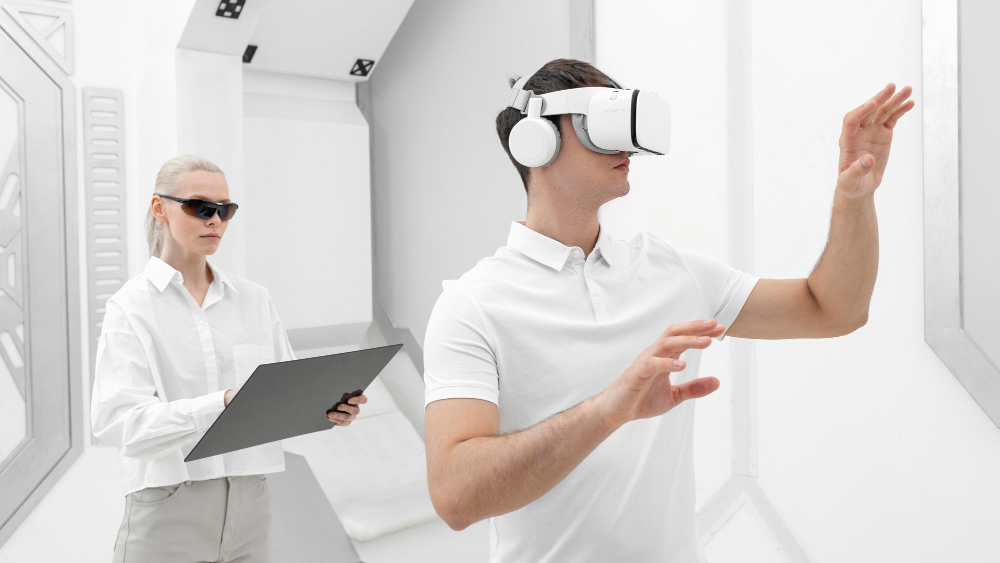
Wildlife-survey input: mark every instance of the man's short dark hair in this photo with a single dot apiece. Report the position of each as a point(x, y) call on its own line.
point(560, 74)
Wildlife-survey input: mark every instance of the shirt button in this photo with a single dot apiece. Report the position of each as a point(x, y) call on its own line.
point(597, 299)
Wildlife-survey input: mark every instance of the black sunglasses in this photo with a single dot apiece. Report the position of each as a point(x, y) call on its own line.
point(205, 209)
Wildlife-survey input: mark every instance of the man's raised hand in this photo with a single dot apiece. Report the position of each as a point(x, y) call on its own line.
point(644, 390)
point(868, 131)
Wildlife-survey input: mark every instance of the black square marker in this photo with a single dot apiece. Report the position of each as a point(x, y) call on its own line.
point(230, 8)
point(362, 67)
point(248, 54)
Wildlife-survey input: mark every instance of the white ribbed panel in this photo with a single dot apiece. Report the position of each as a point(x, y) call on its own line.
point(104, 178)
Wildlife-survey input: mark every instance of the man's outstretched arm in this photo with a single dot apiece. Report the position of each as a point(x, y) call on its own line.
point(473, 472)
point(834, 299)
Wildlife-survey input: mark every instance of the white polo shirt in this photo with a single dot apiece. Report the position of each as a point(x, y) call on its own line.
point(164, 364)
point(536, 329)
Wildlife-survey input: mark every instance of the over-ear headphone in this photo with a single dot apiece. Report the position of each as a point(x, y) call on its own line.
point(534, 141)
point(607, 120)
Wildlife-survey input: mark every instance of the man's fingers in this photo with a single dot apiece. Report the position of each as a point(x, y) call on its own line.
point(879, 99)
point(674, 345)
point(359, 400)
point(888, 108)
point(892, 119)
point(653, 366)
point(855, 181)
point(852, 121)
point(691, 327)
point(695, 389)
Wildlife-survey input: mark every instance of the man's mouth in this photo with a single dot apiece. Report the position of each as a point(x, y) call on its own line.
point(623, 166)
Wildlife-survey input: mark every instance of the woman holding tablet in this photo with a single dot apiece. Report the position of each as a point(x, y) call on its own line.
point(177, 342)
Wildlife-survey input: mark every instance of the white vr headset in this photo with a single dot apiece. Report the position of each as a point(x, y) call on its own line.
point(606, 120)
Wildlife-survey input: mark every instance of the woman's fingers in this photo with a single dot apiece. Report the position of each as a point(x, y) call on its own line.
point(350, 409)
point(340, 418)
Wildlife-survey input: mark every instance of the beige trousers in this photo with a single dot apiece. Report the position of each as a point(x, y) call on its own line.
point(226, 520)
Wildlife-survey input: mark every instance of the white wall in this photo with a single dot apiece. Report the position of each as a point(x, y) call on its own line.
point(868, 446)
point(308, 198)
point(210, 124)
point(444, 190)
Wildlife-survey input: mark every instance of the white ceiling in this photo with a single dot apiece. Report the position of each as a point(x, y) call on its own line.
point(324, 38)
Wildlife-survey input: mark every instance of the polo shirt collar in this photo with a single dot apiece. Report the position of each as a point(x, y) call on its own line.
point(161, 274)
point(551, 252)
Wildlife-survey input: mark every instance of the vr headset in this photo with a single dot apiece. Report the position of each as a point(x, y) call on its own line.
point(606, 120)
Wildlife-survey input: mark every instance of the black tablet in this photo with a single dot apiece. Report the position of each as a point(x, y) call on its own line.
point(286, 399)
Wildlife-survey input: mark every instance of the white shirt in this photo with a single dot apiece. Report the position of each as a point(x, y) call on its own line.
point(164, 365)
point(536, 329)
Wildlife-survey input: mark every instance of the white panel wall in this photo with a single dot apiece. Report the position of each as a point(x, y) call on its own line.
point(870, 435)
point(117, 46)
point(308, 199)
point(210, 125)
point(868, 447)
point(677, 49)
point(444, 190)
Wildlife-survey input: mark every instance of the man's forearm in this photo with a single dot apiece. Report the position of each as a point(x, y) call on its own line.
point(844, 277)
point(489, 476)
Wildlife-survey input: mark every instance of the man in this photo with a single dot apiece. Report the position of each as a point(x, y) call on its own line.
point(557, 404)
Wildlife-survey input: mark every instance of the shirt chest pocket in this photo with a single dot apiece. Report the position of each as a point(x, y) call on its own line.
point(246, 358)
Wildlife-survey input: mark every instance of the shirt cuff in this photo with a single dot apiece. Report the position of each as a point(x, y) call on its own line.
point(461, 392)
point(737, 298)
point(205, 409)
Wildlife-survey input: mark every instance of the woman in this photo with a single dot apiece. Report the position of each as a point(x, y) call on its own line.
point(177, 342)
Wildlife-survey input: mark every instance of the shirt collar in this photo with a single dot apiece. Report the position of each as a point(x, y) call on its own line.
point(551, 252)
point(161, 274)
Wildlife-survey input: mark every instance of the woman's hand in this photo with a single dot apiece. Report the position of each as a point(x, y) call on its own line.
point(347, 412)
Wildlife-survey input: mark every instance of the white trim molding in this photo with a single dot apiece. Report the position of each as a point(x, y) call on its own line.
point(944, 327)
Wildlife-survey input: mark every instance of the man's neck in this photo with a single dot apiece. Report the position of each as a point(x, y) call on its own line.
point(564, 222)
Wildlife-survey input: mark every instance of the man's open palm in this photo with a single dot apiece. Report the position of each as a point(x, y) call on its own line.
point(868, 130)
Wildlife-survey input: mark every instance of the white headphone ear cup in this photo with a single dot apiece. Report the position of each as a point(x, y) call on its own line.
point(534, 142)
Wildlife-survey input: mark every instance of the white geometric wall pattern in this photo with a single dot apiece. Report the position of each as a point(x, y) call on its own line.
point(104, 188)
point(51, 28)
point(10, 198)
point(11, 294)
point(12, 356)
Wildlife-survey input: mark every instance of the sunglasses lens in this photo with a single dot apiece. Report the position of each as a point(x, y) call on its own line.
point(206, 210)
point(228, 211)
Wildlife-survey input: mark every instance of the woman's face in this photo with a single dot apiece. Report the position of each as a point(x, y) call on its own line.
point(197, 236)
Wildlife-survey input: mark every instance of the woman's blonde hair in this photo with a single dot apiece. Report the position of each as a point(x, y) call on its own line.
point(166, 183)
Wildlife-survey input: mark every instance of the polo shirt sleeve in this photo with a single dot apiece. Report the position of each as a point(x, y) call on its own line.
point(459, 358)
point(724, 288)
